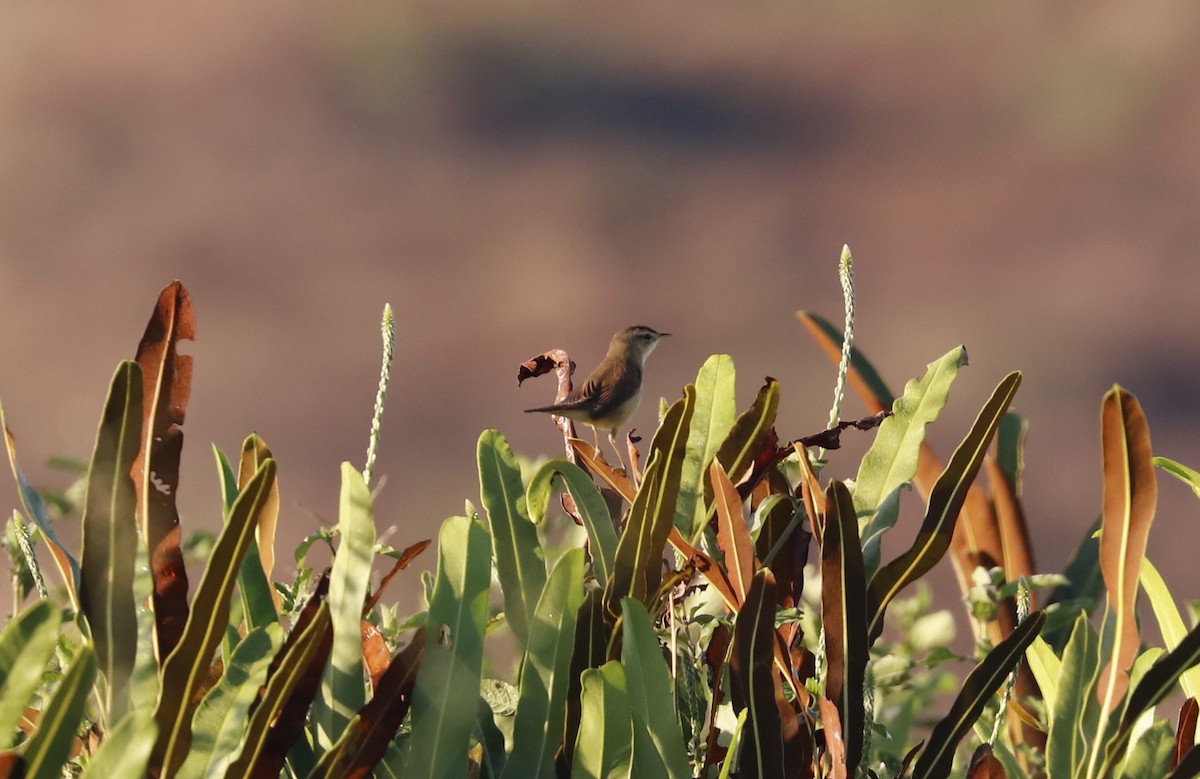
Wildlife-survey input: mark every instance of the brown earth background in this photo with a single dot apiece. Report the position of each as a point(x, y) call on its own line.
point(1020, 178)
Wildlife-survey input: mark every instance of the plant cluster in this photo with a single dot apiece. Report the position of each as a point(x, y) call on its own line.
point(728, 611)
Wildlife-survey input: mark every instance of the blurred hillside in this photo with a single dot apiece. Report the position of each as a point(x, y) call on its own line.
point(1021, 179)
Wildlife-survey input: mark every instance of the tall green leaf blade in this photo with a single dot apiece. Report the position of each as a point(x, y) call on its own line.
point(188, 665)
point(538, 726)
point(712, 419)
point(35, 508)
point(605, 746)
point(983, 681)
point(443, 711)
point(1076, 711)
point(219, 724)
point(592, 634)
point(843, 614)
point(26, 645)
point(125, 750)
point(110, 541)
point(1150, 757)
point(1130, 498)
point(343, 690)
point(49, 747)
point(258, 597)
point(1045, 667)
point(945, 502)
point(1185, 474)
point(891, 459)
point(657, 740)
point(520, 561)
point(602, 536)
point(1170, 624)
point(637, 571)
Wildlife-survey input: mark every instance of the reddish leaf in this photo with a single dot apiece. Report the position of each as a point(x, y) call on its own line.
point(835, 745)
point(166, 385)
point(376, 657)
point(407, 556)
point(715, 657)
point(984, 765)
point(733, 536)
point(1185, 732)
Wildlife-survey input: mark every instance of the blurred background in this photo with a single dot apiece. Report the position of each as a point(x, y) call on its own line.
point(1023, 179)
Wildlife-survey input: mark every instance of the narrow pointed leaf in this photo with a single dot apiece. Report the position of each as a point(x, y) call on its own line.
point(188, 665)
point(538, 726)
point(49, 747)
point(863, 377)
point(110, 543)
point(983, 681)
point(35, 509)
point(1185, 731)
point(1076, 712)
point(443, 712)
point(520, 561)
point(602, 536)
point(1170, 624)
point(733, 536)
point(1185, 474)
point(749, 431)
point(843, 614)
point(945, 501)
point(166, 386)
point(592, 634)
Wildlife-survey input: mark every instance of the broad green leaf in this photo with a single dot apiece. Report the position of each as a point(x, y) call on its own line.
point(343, 689)
point(593, 631)
point(219, 724)
point(188, 665)
point(1076, 711)
point(602, 536)
point(892, 458)
point(657, 741)
point(1150, 757)
point(538, 727)
point(1130, 498)
point(1046, 667)
point(35, 509)
point(945, 501)
point(26, 645)
point(843, 614)
point(443, 712)
point(983, 681)
point(125, 750)
point(712, 419)
point(1010, 448)
point(520, 561)
point(110, 540)
point(1170, 624)
point(605, 746)
point(49, 747)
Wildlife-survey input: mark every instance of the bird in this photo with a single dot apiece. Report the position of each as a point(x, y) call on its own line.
point(611, 393)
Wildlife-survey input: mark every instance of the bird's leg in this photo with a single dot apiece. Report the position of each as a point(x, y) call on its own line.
point(612, 437)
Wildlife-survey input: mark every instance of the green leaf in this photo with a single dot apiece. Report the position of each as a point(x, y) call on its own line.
point(443, 712)
point(1046, 667)
point(712, 419)
point(343, 689)
point(983, 681)
point(657, 740)
point(538, 727)
point(602, 536)
point(188, 665)
point(26, 646)
point(1185, 474)
point(749, 432)
point(48, 749)
point(35, 509)
point(126, 748)
point(604, 749)
point(945, 501)
point(110, 540)
point(520, 561)
point(1170, 624)
point(219, 724)
point(892, 458)
point(1150, 757)
point(843, 613)
point(1076, 711)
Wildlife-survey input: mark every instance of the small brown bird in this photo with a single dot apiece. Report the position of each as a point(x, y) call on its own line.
point(611, 393)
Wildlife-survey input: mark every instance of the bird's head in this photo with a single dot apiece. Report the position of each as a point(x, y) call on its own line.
point(636, 342)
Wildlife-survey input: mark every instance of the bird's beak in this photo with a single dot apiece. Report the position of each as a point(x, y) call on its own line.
point(663, 335)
